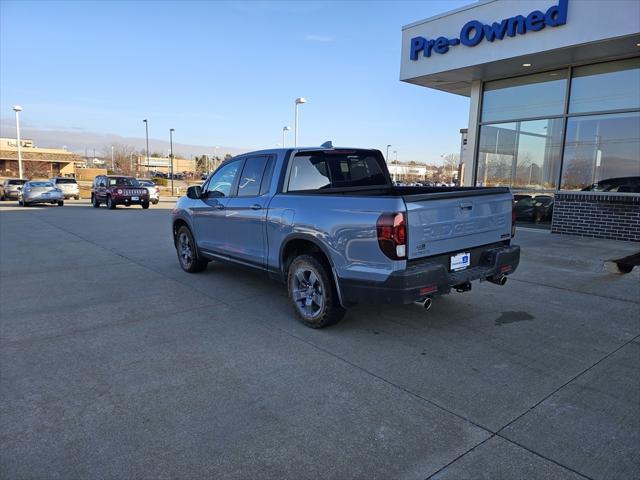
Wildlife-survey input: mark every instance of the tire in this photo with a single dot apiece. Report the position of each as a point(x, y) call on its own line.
point(20, 203)
point(145, 205)
point(155, 202)
point(77, 197)
point(188, 252)
point(313, 293)
point(111, 205)
point(2, 199)
point(61, 203)
point(95, 202)
point(24, 204)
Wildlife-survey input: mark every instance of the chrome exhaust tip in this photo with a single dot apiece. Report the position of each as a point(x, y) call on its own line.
point(501, 280)
point(426, 303)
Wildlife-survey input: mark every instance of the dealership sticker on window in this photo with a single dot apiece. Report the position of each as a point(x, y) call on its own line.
point(460, 261)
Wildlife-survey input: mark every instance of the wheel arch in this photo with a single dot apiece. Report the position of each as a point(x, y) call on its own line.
point(298, 244)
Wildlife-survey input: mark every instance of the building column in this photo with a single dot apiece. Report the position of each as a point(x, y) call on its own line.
point(470, 157)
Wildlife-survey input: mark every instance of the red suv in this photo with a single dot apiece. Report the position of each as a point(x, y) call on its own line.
point(118, 190)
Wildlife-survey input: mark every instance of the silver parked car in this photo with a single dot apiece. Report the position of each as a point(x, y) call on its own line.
point(10, 188)
point(152, 188)
point(40, 192)
point(69, 187)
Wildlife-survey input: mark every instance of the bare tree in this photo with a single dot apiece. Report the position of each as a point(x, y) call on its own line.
point(124, 158)
point(451, 161)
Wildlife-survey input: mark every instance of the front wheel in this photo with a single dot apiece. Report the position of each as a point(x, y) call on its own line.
point(313, 292)
point(77, 197)
point(145, 205)
point(95, 202)
point(187, 252)
point(111, 205)
point(61, 203)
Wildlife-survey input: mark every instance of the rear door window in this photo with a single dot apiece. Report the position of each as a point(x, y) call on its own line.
point(251, 177)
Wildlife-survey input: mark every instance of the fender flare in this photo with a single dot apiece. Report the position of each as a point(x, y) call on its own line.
point(322, 248)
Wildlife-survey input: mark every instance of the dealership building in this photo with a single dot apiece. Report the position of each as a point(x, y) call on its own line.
point(554, 89)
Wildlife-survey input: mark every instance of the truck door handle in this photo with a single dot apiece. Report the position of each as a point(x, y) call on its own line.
point(219, 207)
point(466, 206)
point(255, 206)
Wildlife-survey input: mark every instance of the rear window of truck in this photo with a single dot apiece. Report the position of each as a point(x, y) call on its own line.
point(318, 170)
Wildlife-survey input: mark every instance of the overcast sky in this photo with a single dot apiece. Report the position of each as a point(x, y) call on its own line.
point(225, 73)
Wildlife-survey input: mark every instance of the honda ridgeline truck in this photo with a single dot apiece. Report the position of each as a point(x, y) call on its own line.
point(330, 223)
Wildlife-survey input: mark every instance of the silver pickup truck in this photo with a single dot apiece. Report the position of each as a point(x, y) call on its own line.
point(329, 222)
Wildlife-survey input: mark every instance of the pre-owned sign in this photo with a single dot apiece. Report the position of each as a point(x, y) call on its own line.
point(474, 32)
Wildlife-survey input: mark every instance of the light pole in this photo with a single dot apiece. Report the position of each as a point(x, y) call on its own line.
point(215, 156)
point(284, 130)
point(18, 109)
point(171, 130)
point(295, 131)
point(113, 163)
point(395, 177)
point(146, 130)
point(386, 158)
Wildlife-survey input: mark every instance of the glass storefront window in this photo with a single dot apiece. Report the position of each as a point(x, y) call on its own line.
point(600, 147)
point(520, 154)
point(605, 86)
point(536, 95)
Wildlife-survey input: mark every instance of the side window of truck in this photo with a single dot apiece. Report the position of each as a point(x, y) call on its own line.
point(308, 172)
point(220, 183)
point(251, 177)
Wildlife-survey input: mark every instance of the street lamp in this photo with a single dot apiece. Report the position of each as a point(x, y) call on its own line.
point(295, 131)
point(146, 129)
point(18, 109)
point(395, 152)
point(171, 130)
point(113, 163)
point(387, 156)
point(284, 130)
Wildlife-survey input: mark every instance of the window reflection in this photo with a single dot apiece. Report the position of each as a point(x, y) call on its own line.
point(606, 86)
point(520, 154)
point(537, 95)
point(601, 147)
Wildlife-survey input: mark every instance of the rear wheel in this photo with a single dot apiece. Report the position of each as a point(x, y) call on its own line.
point(313, 292)
point(111, 205)
point(77, 197)
point(61, 203)
point(188, 252)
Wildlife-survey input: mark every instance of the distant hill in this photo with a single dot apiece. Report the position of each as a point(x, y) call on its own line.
point(81, 141)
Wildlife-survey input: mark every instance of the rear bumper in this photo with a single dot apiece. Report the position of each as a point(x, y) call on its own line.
point(121, 200)
point(432, 277)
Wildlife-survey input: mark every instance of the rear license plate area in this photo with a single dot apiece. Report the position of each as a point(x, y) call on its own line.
point(460, 261)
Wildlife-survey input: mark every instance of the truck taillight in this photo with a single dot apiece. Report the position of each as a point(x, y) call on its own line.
point(392, 235)
point(513, 218)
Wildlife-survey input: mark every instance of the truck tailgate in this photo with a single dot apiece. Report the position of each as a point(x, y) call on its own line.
point(455, 222)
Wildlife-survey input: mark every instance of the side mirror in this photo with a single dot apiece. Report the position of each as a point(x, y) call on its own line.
point(194, 192)
point(19, 187)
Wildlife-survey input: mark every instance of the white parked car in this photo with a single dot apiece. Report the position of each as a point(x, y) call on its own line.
point(69, 187)
point(152, 188)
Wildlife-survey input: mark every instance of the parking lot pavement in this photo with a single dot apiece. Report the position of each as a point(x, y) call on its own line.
point(116, 364)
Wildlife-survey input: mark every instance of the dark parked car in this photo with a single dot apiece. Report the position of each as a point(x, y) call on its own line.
point(519, 196)
point(536, 209)
point(118, 190)
point(620, 185)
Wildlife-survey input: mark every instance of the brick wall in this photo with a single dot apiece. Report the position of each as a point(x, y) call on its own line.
point(600, 215)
